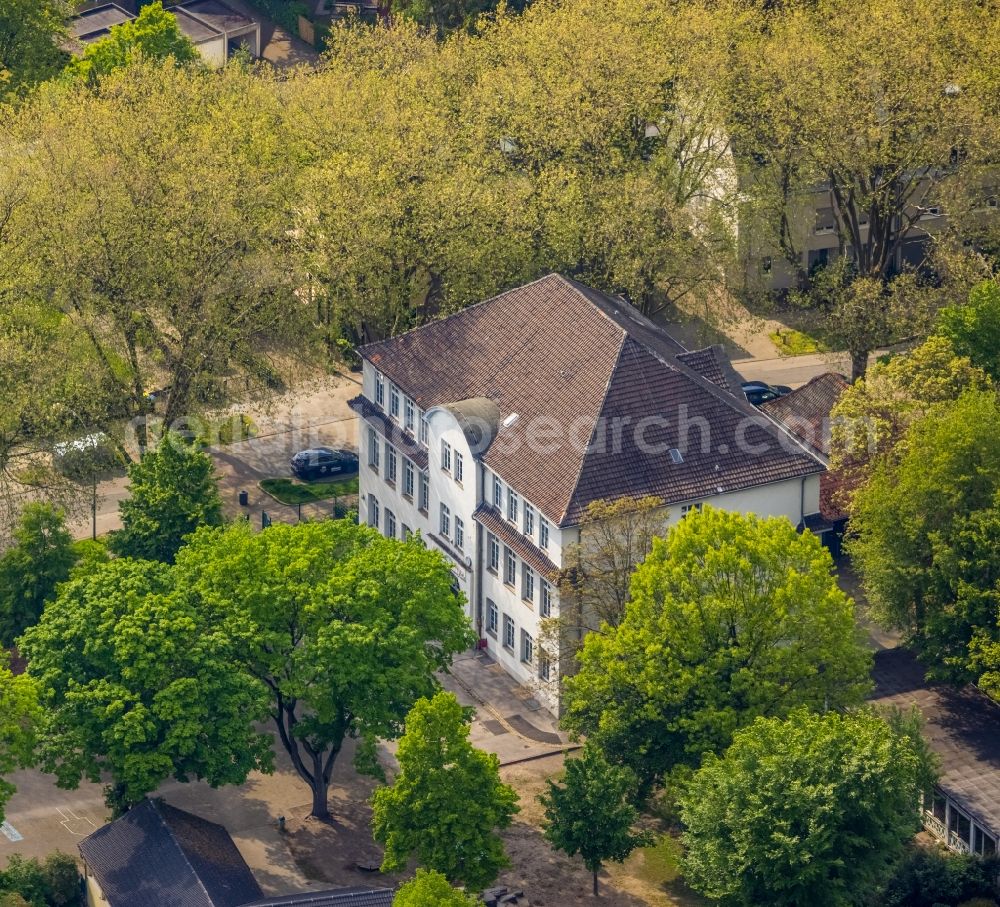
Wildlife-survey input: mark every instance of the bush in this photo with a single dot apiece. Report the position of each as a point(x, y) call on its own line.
point(52, 883)
point(928, 878)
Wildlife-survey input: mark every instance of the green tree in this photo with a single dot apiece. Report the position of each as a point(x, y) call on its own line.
point(19, 717)
point(30, 34)
point(447, 804)
point(810, 809)
point(172, 491)
point(873, 414)
point(431, 889)
point(881, 135)
point(974, 328)
point(730, 618)
point(591, 813)
point(345, 628)
point(40, 559)
point(925, 531)
point(140, 683)
point(153, 34)
point(52, 882)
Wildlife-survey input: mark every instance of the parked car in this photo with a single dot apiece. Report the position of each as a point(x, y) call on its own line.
point(757, 392)
point(318, 462)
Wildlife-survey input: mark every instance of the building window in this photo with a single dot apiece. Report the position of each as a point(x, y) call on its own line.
point(544, 666)
point(445, 521)
point(985, 845)
point(373, 519)
point(390, 463)
point(407, 478)
point(543, 533)
point(545, 605)
point(527, 583)
point(527, 648)
point(394, 401)
point(689, 508)
point(380, 390)
point(407, 533)
point(492, 553)
point(459, 533)
point(512, 504)
point(497, 494)
point(408, 414)
point(459, 468)
point(509, 567)
point(508, 632)
point(390, 523)
point(425, 493)
point(373, 449)
point(529, 519)
point(445, 456)
point(423, 430)
point(492, 617)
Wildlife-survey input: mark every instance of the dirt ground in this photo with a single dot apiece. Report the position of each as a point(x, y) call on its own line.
point(330, 853)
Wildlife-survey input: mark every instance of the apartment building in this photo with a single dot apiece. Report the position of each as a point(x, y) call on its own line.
point(490, 432)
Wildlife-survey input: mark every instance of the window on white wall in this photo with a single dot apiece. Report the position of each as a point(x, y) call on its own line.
point(512, 505)
point(406, 532)
point(459, 533)
point(543, 532)
point(527, 583)
point(544, 666)
point(407, 478)
point(380, 390)
point(373, 517)
point(510, 567)
point(545, 605)
point(527, 648)
point(492, 617)
point(423, 430)
point(408, 414)
point(445, 521)
point(390, 523)
point(373, 449)
point(529, 519)
point(689, 508)
point(459, 468)
point(508, 632)
point(394, 401)
point(498, 494)
point(390, 462)
point(492, 553)
point(445, 455)
point(425, 493)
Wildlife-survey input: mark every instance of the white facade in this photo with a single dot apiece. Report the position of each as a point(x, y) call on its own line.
point(499, 572)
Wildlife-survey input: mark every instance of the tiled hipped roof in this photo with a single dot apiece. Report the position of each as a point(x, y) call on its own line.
point(587, 374)
point(490, 518)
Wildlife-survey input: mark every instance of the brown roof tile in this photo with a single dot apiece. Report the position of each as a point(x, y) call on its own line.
point(407, 445)
point(491, 520)
point(805, 412)
point(580, 368)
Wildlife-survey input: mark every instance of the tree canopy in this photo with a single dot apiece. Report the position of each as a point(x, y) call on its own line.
point(30, 33)
point(139, 681)
point(730, 617)
point(153, 34)
point(431, 889)
point(447, 804)
point(974, 328)
point(591, 813)
point(19, 717)
point(345, 628)
point(925, 534)
point(30, 571)
point(810, 809)
point(172, 491)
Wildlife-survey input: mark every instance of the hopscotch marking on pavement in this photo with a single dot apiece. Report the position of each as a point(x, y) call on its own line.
point(81, 826)
point(11, 833)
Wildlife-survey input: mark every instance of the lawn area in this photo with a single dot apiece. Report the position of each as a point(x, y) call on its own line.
point(791, 342)
point(292, 491)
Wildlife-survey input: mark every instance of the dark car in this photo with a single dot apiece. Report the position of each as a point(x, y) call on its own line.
point(757, 392)
point(318, 462)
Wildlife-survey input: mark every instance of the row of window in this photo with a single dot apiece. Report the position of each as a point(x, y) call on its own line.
point(401, 408)
point(446, 527)
point(385, 520)
point(452, 462)
point(509, 563)
point(391, 469)
point(509, 638)
point(520, 513)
